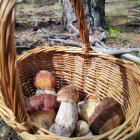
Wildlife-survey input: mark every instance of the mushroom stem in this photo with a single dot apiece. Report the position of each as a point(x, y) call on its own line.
point(65, 120)
point(46, 91)
point(67, 114)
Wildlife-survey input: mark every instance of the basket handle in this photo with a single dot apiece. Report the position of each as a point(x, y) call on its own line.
point(81, 20)
point(9, 77)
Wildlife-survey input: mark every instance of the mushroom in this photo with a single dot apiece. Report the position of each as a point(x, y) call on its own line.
point(106, 116)
point(82, 129)
point(45, 82)
point(67, 115)
point(86, 108)
point(41, 109)
point(43, 118)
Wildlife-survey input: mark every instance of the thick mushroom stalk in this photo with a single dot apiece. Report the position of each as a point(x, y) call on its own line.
point(67, 115)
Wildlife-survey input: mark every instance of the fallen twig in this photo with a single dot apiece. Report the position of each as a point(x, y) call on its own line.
point(133, 24)
point(118, 51)
point(94, 41)
point(66, 42)
point(100, 49)
point(134, 18)
point(74, 28)
point(131, 57)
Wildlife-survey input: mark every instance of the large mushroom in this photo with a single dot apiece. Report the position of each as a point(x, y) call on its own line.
point(106, 116)
point(41, 109)
point(86, 108)
point(67, 115)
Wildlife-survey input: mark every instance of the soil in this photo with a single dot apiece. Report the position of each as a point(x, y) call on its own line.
point(35, 22)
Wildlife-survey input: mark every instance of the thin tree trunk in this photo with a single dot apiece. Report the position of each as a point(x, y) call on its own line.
point(94, 12)
point(99, 13)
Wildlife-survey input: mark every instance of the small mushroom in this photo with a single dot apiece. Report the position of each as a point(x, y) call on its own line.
point(86, 108)
point(45, 82)
point(67, 115)
point(43, 118)
point(82, 129)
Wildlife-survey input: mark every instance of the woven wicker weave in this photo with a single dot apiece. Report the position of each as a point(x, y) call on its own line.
point(93, 73)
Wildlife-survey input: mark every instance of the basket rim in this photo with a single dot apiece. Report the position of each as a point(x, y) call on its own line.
point(76, 50)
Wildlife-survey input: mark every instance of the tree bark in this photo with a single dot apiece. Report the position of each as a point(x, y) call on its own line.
point(94, 12)
point(99, 13)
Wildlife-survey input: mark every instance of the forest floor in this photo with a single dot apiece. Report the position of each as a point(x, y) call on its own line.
point(121, 31)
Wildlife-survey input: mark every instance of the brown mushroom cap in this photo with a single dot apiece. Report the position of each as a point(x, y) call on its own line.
point(68, 93)
point(41, 102)
point(106, 116)
point(44, 80)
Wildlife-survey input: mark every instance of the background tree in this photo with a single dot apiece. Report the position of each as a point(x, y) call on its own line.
point(94, 12)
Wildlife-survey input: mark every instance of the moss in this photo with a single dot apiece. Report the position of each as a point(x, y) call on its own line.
point(29, 21)
point(114, 31)
point(132, 21)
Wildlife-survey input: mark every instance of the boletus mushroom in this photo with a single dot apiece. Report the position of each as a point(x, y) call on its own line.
point(41, 109)
point(45, 82)
point(67, 115)
point(106, 116)
point(82, 129)
point(86, 108)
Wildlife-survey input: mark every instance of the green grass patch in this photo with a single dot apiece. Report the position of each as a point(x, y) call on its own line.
point(114, 31)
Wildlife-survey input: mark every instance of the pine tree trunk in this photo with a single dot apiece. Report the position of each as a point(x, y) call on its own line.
point(99, 13)
point(94, 12)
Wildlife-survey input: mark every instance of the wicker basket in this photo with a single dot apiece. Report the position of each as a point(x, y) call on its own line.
point(91, 72)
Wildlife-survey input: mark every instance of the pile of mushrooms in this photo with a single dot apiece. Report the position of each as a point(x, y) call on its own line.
point(41, 106)
point(64, 114)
